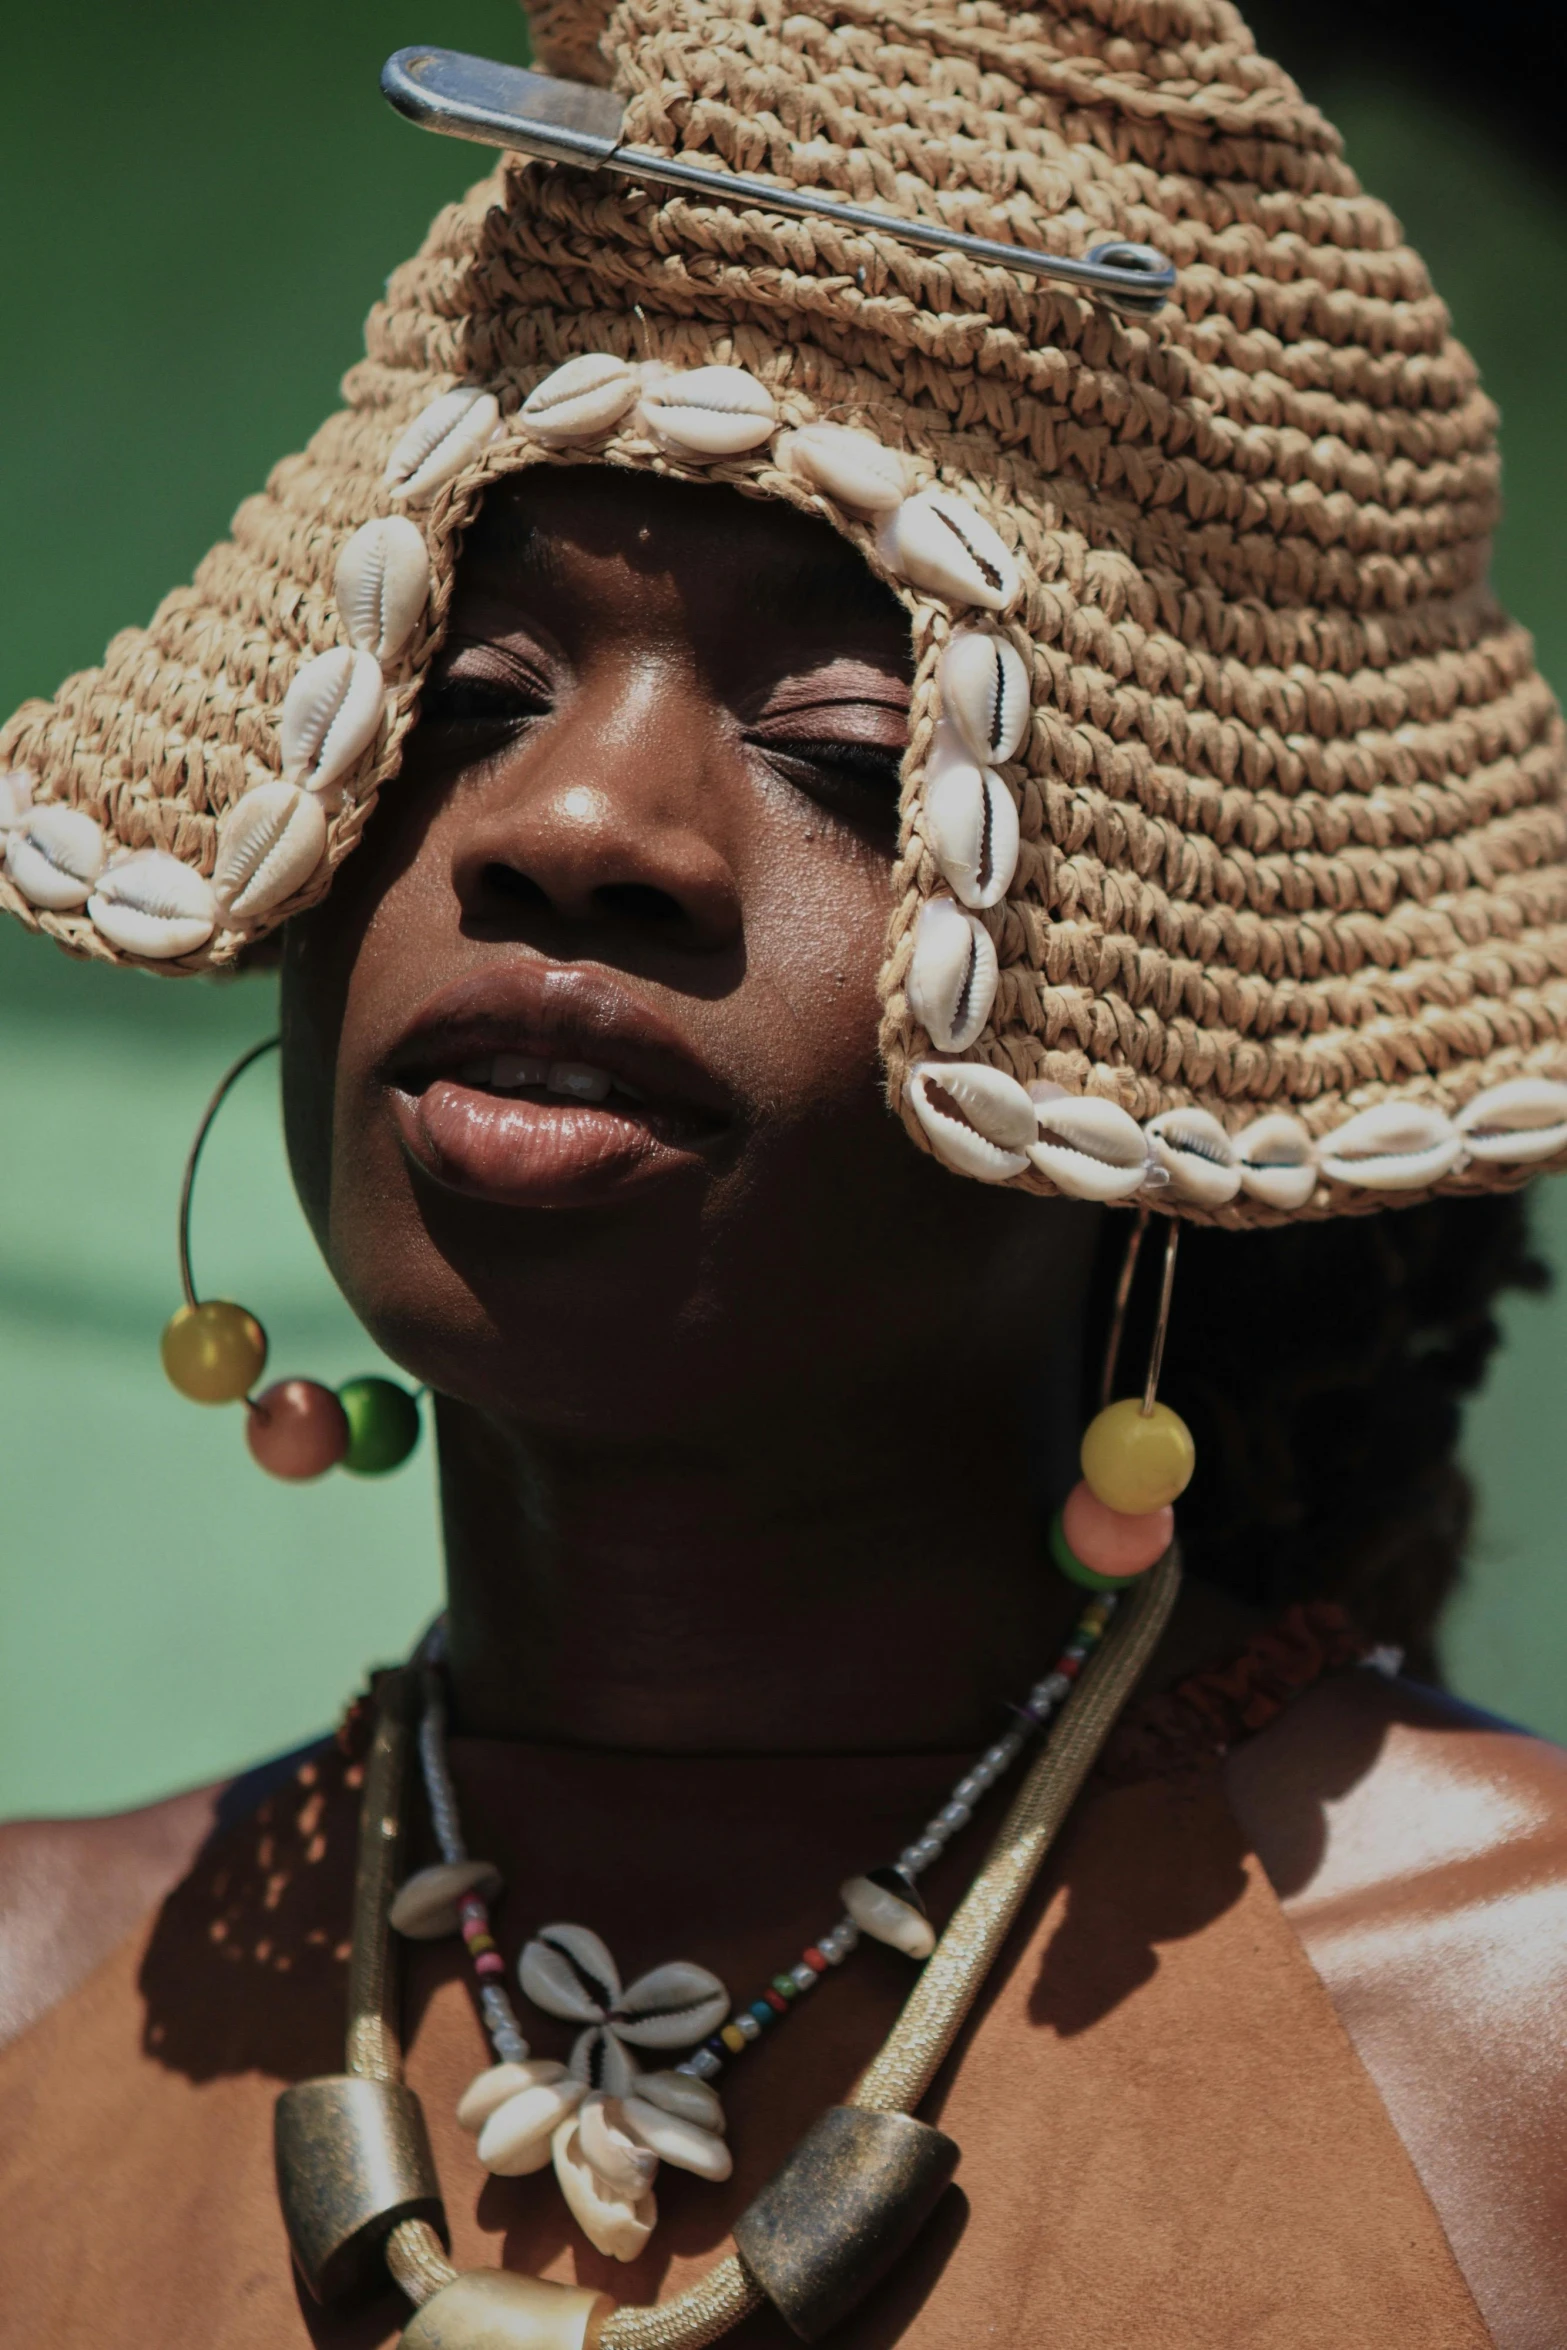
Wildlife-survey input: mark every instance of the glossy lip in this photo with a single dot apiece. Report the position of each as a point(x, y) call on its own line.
point(531, 1151)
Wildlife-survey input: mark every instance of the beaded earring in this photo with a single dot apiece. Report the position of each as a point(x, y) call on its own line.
point(1137, 1456)
point(215, 1351)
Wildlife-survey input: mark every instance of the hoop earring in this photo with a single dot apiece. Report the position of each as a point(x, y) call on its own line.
point(1137, 1456)
point(215, 1351)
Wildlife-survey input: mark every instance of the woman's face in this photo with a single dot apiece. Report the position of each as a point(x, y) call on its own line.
point(580, 1055)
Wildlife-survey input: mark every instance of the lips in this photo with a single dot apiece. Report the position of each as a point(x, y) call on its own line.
point(550, 1086)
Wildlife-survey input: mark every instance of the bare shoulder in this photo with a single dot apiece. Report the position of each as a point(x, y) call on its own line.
point(71, 1890)
point(1367, 1786)
point(1419, 1848)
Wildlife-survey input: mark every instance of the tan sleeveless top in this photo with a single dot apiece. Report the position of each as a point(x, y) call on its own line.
point(1167, 2140)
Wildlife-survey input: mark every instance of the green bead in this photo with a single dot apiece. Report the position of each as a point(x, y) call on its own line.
point(1073, 1568)
point(383, 1425)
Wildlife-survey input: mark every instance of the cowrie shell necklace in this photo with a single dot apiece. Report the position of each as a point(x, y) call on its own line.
point(603, 2122)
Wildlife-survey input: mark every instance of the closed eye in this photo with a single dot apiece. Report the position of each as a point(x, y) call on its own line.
point(480, 704)
point(878, 765)
point(855, 781)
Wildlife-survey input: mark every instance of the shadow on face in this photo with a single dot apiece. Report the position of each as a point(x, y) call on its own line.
point(581, 1079)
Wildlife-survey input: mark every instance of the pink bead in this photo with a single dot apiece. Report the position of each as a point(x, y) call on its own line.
point(1110, 1543)
point(297, 1429)
point(489, 1962)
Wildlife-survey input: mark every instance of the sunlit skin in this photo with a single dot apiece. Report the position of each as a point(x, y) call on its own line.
point(750, 1412)
point(735, 1367)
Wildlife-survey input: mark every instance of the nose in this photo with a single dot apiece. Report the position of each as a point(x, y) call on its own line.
point(616, 813)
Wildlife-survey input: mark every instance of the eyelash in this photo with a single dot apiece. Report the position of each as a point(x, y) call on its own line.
point(485, 704)
point(870, 763)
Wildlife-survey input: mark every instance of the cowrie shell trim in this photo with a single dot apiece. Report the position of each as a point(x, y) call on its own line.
point(55, 856)
point(1277, 1161)
point(1197, 1155)
point(580, 401)
point(1396, 1146)
point(1517, 1122)
point(382, 585)
point(1090, 1148)
point(952, 974)
point(970, 820)
point(984, 693)
point(978, 1120)
point(846, 466)
point(445, 438)
point(150, 905)
point(939, 542)
point(269, 844)
point(708, 412)
point(331, 716)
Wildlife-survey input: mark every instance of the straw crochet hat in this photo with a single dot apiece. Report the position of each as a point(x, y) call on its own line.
point(1231, 874)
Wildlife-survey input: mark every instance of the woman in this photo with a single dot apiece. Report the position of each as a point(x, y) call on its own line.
point(751, 1417)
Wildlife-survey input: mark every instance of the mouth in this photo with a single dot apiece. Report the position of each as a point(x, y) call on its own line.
point(551, 1086)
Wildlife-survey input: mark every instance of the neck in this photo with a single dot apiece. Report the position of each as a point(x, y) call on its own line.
point(828, 1584)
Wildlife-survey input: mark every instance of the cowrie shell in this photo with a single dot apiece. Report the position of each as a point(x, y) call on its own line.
point(151, 905)
point(984, 692)
point(846, 466)
point(675, 2140)
point(599, 2062)
point(1277, 1162)
point(1089, 1147)
point(1395, 1146)
point(568, 1972)
point(620, 2162)
point(16, 796)
point(978, 1120)
point(1197, 1155)
point(708, 412)
point(451, 434)
point(616, 2225)
point(671, 2006)
point(886, 1906)
point(382, 585)
point(939, 542)
point(490, 2090)
point(511, 2140)
point(55, 856)
point(269, 844)
point(952, 976)
point(578, 402)
point(684, 2095)
point(331, 716)
point(970, 820)
point(424, 1907)
point(1516, 1122)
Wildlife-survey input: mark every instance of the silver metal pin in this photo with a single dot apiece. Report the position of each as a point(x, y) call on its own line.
point(574, 122)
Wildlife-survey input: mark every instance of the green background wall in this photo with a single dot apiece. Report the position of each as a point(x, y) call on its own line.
point(199, 205)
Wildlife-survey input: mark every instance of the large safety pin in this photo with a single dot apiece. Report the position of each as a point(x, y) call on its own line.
point(576, 122)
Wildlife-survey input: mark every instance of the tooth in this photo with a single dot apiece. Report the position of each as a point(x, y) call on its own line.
point(513, 1069)
point(574, 1077)
point(476, 1073)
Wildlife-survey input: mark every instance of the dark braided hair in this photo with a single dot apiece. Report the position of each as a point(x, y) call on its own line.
point(1322, 1369)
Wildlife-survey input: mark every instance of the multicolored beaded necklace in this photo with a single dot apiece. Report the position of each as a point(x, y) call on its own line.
point(604, 2122)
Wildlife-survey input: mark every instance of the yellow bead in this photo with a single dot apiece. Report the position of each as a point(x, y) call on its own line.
point(1135, 1464)
point(214, 1353)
